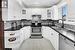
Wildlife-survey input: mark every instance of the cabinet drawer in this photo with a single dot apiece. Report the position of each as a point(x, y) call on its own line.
point(11, 33)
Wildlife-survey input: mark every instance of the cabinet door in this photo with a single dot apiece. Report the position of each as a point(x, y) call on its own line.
point(55, 39)
point(46, 31)
point(51, 36)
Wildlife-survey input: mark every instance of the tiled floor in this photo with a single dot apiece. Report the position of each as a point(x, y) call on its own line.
point(36, 44)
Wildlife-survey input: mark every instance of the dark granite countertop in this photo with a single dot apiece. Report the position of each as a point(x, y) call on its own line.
point(70, 35)
point(11, 29)
point(67, 26)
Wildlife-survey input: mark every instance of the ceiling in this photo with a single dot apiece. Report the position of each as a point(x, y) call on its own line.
point(37, 3)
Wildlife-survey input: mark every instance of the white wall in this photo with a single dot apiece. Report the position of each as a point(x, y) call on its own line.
point(71, 9)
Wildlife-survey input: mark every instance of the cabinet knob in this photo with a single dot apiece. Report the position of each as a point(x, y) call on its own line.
point(64, 38)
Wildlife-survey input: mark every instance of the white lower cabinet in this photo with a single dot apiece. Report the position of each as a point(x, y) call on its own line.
point(55, 39)
point(51, 35)
point(26, 31)
point(13, 39)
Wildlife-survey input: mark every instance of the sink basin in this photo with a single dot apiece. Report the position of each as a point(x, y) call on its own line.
point(38, 3)
point(57, 28)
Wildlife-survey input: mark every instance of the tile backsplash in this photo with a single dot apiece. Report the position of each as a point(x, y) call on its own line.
point(7, 24)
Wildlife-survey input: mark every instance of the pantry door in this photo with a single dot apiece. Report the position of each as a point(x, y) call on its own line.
point(1, 35)
point(1, 29)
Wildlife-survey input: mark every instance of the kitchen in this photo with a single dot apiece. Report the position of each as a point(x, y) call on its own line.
point(37, 25)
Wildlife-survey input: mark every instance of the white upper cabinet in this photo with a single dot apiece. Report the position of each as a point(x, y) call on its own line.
point(54, 12)
point(14, 10)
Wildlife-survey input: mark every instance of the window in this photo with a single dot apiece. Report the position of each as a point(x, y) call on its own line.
point(4, 3)
point(64, 10)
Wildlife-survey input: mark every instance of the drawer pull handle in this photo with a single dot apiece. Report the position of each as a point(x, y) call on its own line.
point(12, 34)
point(12, 39)
point(74, 44)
